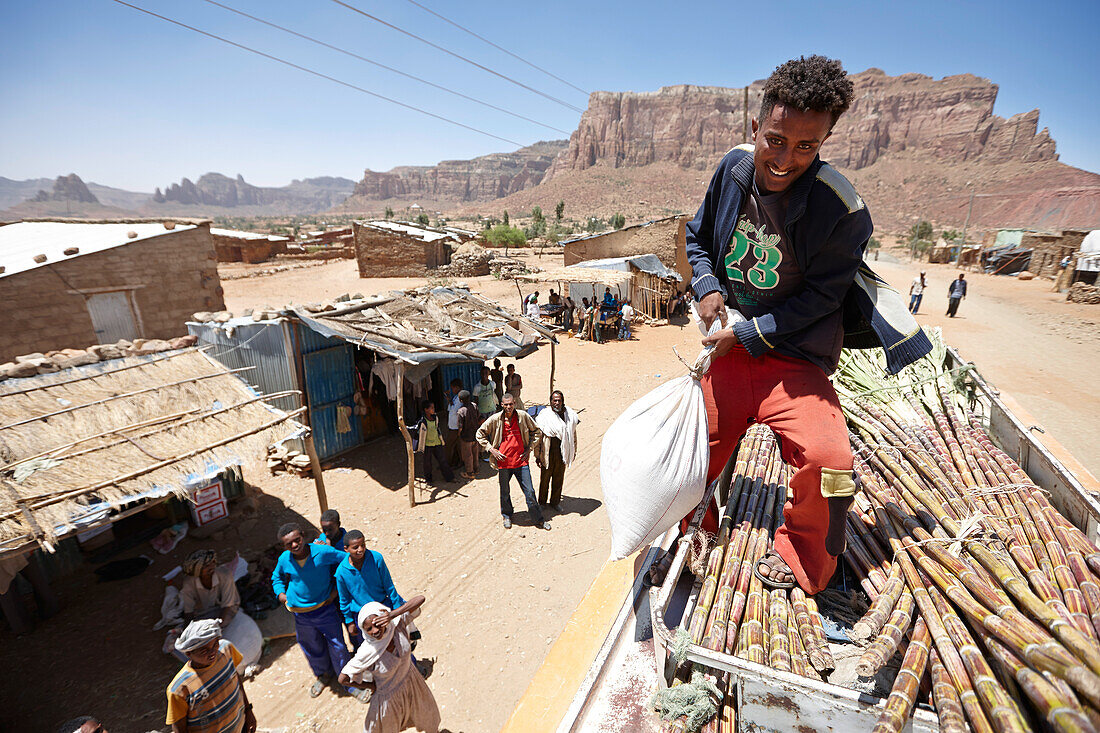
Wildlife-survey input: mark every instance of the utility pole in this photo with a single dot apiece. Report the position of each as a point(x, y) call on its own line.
point(969, 210)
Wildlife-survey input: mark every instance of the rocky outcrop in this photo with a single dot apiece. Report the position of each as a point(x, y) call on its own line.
point(480, 179)
point(951, 118)
point(214, 189)
point(67, 188)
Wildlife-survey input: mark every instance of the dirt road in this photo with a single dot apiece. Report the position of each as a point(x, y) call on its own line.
point(1027, 341)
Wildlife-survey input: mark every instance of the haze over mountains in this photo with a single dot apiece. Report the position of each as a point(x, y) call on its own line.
point(915, 147)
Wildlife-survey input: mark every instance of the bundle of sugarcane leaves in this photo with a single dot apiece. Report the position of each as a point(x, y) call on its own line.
point(992, 593)
point(974, 579)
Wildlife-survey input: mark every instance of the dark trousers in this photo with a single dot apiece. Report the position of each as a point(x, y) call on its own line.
point(552, 477)
point(438, 454)
point(451, 447)
point(953, 306)
point(320, 633)
point(914, 302)
point(523, 476)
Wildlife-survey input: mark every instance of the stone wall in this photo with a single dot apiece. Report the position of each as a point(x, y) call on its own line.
point(170, 277)
point(392, 254)
point(664, 238)
point(1048, 250)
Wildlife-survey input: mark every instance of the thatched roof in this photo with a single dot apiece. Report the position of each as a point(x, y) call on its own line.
point(426, 326)
point(81, 442)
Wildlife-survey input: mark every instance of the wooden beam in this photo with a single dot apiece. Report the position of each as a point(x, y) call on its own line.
point(405, 433)
point(315, 469)
point(553, 365)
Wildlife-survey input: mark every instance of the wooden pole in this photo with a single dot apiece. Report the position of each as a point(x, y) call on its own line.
point(315, 469)
point(405, 432)
point(516, 281)
point(553, 366)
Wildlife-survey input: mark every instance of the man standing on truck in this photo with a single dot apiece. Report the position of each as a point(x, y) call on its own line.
point(956, 291)
point(780, 236)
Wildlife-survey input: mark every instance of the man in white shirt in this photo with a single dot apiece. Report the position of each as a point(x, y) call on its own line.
point(626, 317)
point(450, 437)
point(533, 307)
point(916, 292)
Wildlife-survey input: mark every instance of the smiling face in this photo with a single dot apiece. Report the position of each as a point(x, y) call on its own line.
point(373, 629)
point(293, 542)
point(787, 141)
point(357, 549)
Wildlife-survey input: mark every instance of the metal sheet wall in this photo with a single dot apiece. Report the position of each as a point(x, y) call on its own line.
point(328, 365)
point(469, 373)
point(258, 345)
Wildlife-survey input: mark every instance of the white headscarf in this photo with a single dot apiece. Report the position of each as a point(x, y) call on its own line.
point(552, 425)
point(198, 634)
point(371, 649)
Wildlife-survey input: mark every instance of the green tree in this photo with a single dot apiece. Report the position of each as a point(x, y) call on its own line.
point(389, 213)
point(505, 236)
point(536, 215)
point(559, 210)
point(873, 243)
point(618, 221)
point(920, 230)
point(594, 224)
point(950, 235)
point(506, 217)
point(422, 220)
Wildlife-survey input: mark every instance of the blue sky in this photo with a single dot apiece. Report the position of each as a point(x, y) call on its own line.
point(123, 99)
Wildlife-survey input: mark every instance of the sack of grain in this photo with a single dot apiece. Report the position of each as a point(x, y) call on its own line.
point(654, 458)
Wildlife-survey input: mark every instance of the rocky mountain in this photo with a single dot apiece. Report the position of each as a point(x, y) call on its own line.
point(67, 188)
point(213, 190)
point(915, 147)
point(480, 179)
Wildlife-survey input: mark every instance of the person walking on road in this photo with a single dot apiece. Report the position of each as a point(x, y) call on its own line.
point(558, 425)
point(509, 436)
point(956, 291)
point(916, 292)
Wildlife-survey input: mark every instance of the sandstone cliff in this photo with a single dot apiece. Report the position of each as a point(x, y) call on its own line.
point(67, 188)
point(693, 126)
point(480, 179)
point(216, 190)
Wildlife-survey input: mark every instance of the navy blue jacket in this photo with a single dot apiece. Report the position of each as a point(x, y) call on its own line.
point(828, 227)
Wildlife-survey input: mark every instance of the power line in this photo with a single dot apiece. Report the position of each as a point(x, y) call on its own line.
point(457, 56)
point(319, 74)
point(499, 48)
point(319, 42)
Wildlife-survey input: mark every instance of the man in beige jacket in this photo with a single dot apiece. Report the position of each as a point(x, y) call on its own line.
point(509, 436)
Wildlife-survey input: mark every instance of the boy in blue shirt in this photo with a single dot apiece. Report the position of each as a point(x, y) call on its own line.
point(332, 533)
point(362, 577)
point(304, 581)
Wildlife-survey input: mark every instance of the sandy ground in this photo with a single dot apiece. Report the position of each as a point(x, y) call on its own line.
point(496, 599)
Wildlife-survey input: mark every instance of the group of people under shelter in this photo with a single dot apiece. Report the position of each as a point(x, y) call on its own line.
point(355, 630)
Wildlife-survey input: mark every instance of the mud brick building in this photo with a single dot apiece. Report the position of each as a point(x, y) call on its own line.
point(74, 284)
point(399, 249)
point(232, 245)
point(1048, 250)
point(665, 238)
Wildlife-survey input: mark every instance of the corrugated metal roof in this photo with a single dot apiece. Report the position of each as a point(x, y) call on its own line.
point(424, 235)
point(624, 229)
point(646, 263)
point(238, 234)
point(20, 243)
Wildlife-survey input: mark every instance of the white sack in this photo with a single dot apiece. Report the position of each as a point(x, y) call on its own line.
point(654, 458)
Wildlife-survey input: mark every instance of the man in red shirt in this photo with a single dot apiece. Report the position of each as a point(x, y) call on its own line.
point(509, 436)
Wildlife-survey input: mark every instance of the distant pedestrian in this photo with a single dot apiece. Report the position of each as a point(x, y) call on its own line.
point(513, 385)
point(567, 314)
point(558, 425)
point(626, 318)
point(304, 580)
point(468, 423)
point(486, 395)
point(497, 375)
point(207, 694)
point(509, 436)
point(956, 291)
point(430, 443)
point(450, 435)
point(916, 292)
point(332, 534)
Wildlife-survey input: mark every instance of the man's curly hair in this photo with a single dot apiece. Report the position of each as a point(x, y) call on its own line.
point(814, 84)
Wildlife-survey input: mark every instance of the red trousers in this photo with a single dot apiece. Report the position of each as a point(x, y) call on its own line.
point(796, 400)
